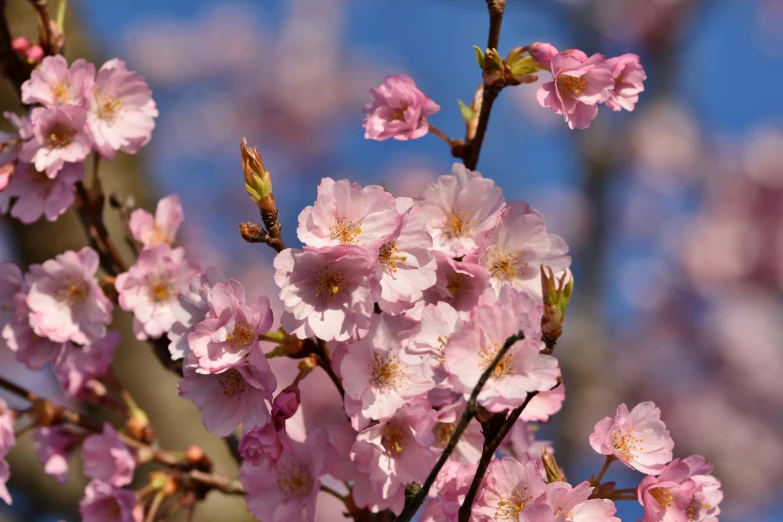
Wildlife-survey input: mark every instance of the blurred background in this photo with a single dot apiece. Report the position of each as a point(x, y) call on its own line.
point(674, 213)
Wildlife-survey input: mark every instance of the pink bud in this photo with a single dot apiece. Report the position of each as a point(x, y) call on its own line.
point(285, 405)
point(34, 54)
point(543, 53)
point(20, 44)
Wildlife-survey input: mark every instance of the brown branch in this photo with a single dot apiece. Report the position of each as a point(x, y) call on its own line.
point(51, 39)
point(90, 210)
point(221, 483)
point(325, 362)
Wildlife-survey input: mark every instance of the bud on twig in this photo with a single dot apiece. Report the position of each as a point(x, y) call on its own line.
point(557, 294)
point(258, 181)
point(493, 70)
point(553, 472)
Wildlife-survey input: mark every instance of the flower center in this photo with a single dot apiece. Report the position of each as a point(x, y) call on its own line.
point(61, 93)
point(294, 480)
point(503, 264)
point(74, 291)
point(455, 284)
point(393, 439)
point(113, 510)
point(443, 432)
point(509, 508)
point(504, 367)
point(663, 496)
point(346, 232)
point(458, 223)
point(108, 107)
point(399, 114)
point(624, 442)
point(157, 236)
point(232, 383)
point(694, 509)
point(242, 335)
point(60, 137)
point(328, 283)
point(41, 182)
point(160, 290)
point(385, 371)
point(570, 86)
point(388, 255)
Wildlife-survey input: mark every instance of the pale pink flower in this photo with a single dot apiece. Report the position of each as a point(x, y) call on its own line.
point(38, 194)
point(510, 485)
point(521, 439)
point(638, 438)
point(374, 374)
point(30, 349)
point(236, 396)
point(263, 445)
point(452, 485)
point(11, 281)
point(10, 155)
point(58, 138)
point(53, 83)
point(104, 503)
point(7, 420)
point(470, 444)
point(460, 284)
point(121, 112)
point(398, 450)
point(571, 504)
point(398, 110)
point(522, 370)
point(81, 369)
point(628, 75)
point(516, 248)
point(459, 209)
point(707, 496)
point(54, 446)
point(107, 458)
point(65, 300)
point(543, 53)
point(544, 405)
point(347, 214)
point(666, 497)
point(579, 85)
point(5, 474)
point(438, 322)
point(365, 496)
point(152, 230)
point(190, 308)
point(407, 261)
point(327, 292)
point(230, 330)
point(151, 286)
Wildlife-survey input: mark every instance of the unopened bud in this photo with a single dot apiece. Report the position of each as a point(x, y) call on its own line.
point(258, 181)
point(520, 67)
point(556, 294)
point(170, 488)
point(553, 472)
point(194, 454)
point(20, 44)
point(34, 54)
point(252, 232)
point(493, 71)
point(46, 413)
point(542, 53)
point(139, 428)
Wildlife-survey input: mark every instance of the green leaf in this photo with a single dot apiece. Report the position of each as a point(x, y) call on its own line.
point(479, 56)
point(467, 112)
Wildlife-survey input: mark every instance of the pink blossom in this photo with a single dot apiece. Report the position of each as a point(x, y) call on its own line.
point(58, 138)
point(572, 504)
point(707, 496)
point(107, 458)
point(407, 261)
point(285, 405)
point(38, 194)
point(628, 75)
point(470, 444)
point(398, 110)
point(580, 84)
point(5, 474)
point(460, 284)
point(438, 322)
point(66, 303)
point(150, 288)
point(516, 248)
point(79, 368)
point(543, 53)
point(121, 112)
point(30, 349)
point(54, 446)
point(104, 503)
point(544, 405)
point(667, 496)
point(638, 438)
point(11, 281)
point(397, 451)
point(7, 420)
point(347, 214)
point(190, 308)
point(510, 485)
point(374, 374)
point(236, 396)
point(152, 230)
point(53, 83)
point(327, 292)
point(263, 445)
point(459, 209)
point(452, 485)
point(522, 370)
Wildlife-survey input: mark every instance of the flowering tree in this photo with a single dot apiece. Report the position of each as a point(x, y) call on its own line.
point(436, 318)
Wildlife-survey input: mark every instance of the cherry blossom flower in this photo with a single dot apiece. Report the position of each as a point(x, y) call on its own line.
point(438, 322)
point(639, 439)
point(628, 75)
point(230, 330)
point(30, 349)
point(374, 374)
point(121, 112)
point(263, 445)
point(398, 110)
point(510, 485)
point(236, 396)
point(66, 303)
point(152, 230)
point(38, 194)
point(407, 261)
point(11, 282)
point(54, 446)
point(522, 370)
point(397, 451)
point(667, 496)
point(580, 84)
point(58, 137)
point(460, 208)
point(707, 496)
point(452, 485)
point(53, 83)
point(470, 444)
point(347, 214)
point(572, 504)
point(151, 286)
point(544, 405)
point(107, 458)
point(516, 248)
point(459, 284)
point(7, 420)
point(190, 308)
point(104, 503)
point(327, 292)
point(79, 368)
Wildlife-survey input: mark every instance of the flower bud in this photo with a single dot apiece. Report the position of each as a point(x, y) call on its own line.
point(520, 66)
point(542, 53)
point(34, 54)
point(553, 472)
point(494, 69)
point(20, 44)
point(258, 181)
point(557, 295)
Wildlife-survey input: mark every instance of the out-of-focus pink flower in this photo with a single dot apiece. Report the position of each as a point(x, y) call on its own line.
point(11, 281)
point(510, 485)
point(667, 496)
point(374, 374)
point(152, 230)
point(66, 303)
point(707, 496)
point(30, 349)
point(580, 84)
point(58, 138)
point(347, 214)
point(54, 446)
point(53, 83)
point(80, 368)
point(516, 248)
point(544, 405)
point(236, 396)
point(397, 451)
point(151, 286)
point(327, 292)
point(104, 503)
point(638, 438)
point(543, 53)
point(571, 503)
point(190, 308)
point(7, 420)
point(398, 110)
point(5, 474)
point(522, 439)
point(459, 209)
point(107, 458)
point(628, 75)
point(459, 284)
point(470, 444)
point(263, 445)
point(121, 112)
point(230, 330)
point(40, 195)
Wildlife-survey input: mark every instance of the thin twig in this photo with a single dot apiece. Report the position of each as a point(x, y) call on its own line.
point(156, 502)
point(325, 362)
point(604, 469)
point(226, 485)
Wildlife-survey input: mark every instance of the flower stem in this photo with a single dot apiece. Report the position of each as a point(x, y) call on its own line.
point(439, 133)
point(604, 469)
